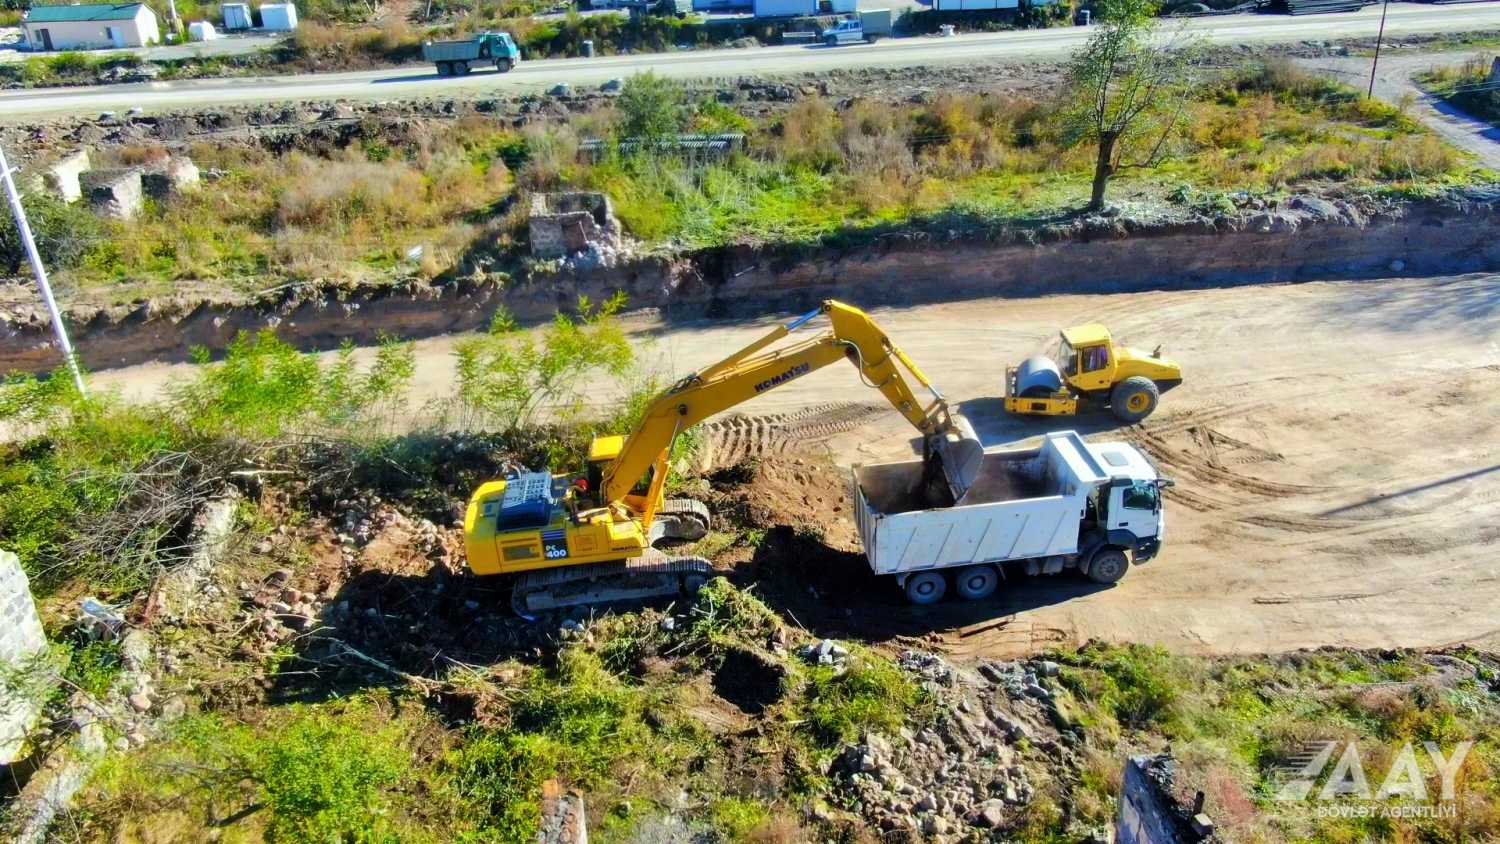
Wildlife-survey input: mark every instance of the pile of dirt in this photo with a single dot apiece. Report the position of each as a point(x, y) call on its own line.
point(805, 494)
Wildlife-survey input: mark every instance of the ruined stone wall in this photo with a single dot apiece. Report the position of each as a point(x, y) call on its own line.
point(21, 639)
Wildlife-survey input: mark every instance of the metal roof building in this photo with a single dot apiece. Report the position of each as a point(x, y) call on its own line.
point(90, 26)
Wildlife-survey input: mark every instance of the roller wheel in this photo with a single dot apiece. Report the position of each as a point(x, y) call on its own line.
point(976, 582)
point(1133, 399)
point(927, 587)
point(1109, 565)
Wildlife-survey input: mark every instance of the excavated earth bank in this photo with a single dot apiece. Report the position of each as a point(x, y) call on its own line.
point(1299, 239)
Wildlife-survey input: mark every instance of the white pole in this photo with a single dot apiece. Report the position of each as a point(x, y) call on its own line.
point(24, 229)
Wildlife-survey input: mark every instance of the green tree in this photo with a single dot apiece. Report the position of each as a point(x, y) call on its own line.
point(651, 107)
point(1129, 89)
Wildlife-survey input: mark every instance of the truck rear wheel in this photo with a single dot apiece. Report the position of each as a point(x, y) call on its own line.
point(1133, 399)
point(832, 40)
point(976, 582)
point(444, 69)
point(1108, 566)
point(926, 587)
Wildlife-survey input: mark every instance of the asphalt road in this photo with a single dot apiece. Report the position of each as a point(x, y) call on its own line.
point(408, 82)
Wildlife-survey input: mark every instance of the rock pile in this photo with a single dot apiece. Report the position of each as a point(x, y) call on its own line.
point(964, 776)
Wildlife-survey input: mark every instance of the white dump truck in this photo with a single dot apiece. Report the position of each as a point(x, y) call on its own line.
point(1067, 504)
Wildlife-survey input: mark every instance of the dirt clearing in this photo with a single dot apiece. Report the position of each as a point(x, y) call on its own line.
point(1334, 446)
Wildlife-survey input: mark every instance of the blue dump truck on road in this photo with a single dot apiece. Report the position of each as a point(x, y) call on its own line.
point(456, 58)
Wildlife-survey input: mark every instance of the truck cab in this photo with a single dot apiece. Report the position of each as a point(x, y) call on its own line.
point(1127, 510)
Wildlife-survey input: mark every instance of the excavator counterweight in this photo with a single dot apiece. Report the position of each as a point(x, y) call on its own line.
point(591, 539)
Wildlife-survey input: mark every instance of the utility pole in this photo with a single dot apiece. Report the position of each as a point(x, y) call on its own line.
point(24, 230)
point(1378, 38)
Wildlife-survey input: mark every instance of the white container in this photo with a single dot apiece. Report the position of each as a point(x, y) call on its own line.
point(202, 31)
point(236, 16)
point(278, 17)
point(785, 8)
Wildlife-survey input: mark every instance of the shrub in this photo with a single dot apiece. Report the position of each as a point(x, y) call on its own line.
point(651, 107)
point(507, 375)
point(872, 693)
point(64, 233)
point(265, 388)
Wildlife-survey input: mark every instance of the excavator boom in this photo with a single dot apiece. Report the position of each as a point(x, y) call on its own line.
point(757, 369)
point(569, 554)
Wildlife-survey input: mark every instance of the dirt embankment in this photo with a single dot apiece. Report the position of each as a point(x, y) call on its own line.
point(1301, 239)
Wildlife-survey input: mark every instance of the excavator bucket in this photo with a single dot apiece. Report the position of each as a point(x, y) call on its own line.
point(962, 456)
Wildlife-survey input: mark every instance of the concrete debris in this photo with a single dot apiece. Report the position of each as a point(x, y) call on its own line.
point(572, 223)
point(170, 177)
point(115, 193)
point(825, 652)
point(962, 773)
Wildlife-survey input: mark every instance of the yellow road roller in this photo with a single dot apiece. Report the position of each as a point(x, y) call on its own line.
point(1085, 367)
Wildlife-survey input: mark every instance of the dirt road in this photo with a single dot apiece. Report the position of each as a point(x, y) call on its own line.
point(1336, 448)
point(408, 82)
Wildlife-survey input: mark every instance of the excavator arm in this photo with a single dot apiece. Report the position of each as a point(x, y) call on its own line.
point(951, 448)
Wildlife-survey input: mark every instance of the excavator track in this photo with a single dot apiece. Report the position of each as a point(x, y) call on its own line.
point(652, 574)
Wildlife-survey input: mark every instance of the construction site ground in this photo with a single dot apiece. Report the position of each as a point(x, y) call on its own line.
point(1333, 444)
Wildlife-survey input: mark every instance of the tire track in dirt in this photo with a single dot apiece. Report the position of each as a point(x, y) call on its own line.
point(740, 437)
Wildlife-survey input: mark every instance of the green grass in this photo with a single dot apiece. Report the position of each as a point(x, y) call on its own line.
point(1466, 87)
point(810, 175)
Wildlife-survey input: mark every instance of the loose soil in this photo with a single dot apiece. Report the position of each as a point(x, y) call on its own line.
point(1333, 446)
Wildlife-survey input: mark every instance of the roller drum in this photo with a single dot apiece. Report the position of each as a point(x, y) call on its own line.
point(1038, 377)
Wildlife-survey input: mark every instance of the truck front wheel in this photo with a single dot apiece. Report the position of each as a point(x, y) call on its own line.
point(832, 40)
point(976, 582)
point(1108, 566)
point(927, 587)
point(444, 69)
point(502, 65)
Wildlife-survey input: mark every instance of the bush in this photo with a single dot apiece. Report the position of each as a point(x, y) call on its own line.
point(651, 107)
point(872, 693)
point(64, 233)
point(506, 376)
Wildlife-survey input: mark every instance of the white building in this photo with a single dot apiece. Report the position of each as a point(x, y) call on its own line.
point(90, 27)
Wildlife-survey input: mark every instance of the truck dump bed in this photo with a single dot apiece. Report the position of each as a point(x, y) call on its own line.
point(1026, 503)
point(450, 50)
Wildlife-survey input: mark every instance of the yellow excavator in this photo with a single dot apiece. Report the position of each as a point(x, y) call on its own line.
point(589, 539)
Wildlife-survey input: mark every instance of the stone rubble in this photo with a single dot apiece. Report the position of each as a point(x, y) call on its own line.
point(963, 777)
